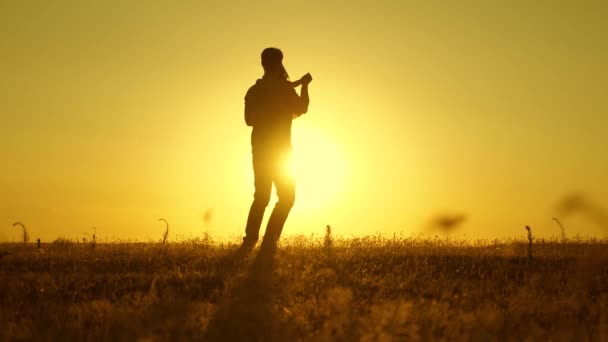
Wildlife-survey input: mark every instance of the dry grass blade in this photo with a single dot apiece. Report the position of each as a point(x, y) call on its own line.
point(529, 241)
point(166, 234)
point(26, 235)
point(561, 227)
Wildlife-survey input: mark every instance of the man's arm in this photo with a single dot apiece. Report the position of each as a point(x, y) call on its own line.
point(303, 99)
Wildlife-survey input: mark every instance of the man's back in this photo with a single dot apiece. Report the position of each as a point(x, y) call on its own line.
point(270, 105)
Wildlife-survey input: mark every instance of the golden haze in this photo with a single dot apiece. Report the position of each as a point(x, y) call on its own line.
point(118, 113)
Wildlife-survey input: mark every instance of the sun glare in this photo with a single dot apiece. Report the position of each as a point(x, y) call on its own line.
point(319, 167)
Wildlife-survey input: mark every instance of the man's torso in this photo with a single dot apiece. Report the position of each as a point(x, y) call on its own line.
point(269, 110)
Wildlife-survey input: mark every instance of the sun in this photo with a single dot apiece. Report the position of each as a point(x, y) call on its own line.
point(319, 167)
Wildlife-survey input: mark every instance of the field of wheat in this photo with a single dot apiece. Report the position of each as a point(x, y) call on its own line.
point(338, 289)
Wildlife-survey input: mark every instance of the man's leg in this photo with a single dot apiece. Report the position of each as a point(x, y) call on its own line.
point(261, 196)
point(286, 193)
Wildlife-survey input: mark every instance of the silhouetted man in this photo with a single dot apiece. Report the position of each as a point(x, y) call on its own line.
point(270, 106)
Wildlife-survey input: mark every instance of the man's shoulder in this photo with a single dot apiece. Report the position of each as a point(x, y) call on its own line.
point(277, 88)
point(254, 88)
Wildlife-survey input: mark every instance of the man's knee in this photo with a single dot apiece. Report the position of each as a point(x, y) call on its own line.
point(286, 201)
point(261, 199)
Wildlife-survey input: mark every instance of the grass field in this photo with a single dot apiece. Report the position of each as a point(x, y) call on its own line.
point(356, 289)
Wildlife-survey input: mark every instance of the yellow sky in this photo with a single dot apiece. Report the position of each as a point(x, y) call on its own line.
point(116, 113)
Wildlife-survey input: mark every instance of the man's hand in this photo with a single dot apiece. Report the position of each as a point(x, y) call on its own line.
point(306, 79)
point(303, 81)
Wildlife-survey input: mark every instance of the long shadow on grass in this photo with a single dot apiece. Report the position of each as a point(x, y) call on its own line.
point(246, 313)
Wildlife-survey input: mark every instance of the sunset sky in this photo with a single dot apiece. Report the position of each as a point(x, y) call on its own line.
point(114, 114)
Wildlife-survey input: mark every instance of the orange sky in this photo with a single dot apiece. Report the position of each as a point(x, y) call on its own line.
point(115, 114)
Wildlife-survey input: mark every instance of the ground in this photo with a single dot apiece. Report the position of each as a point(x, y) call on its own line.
point(357, 289)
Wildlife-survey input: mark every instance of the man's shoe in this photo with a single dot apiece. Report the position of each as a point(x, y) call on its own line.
point(244, 251)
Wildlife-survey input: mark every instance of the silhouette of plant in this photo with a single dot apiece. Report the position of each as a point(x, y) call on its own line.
point(529, 241)
point(166, 234)
point(26, 235)
point(562, 229)
point(328, 243)
point(207, 238)
point(329, 240)
point(92, 237)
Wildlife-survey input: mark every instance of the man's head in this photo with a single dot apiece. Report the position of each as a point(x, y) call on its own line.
point(272, 59)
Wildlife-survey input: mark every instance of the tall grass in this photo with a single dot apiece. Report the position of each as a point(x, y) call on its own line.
point(372, 289)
